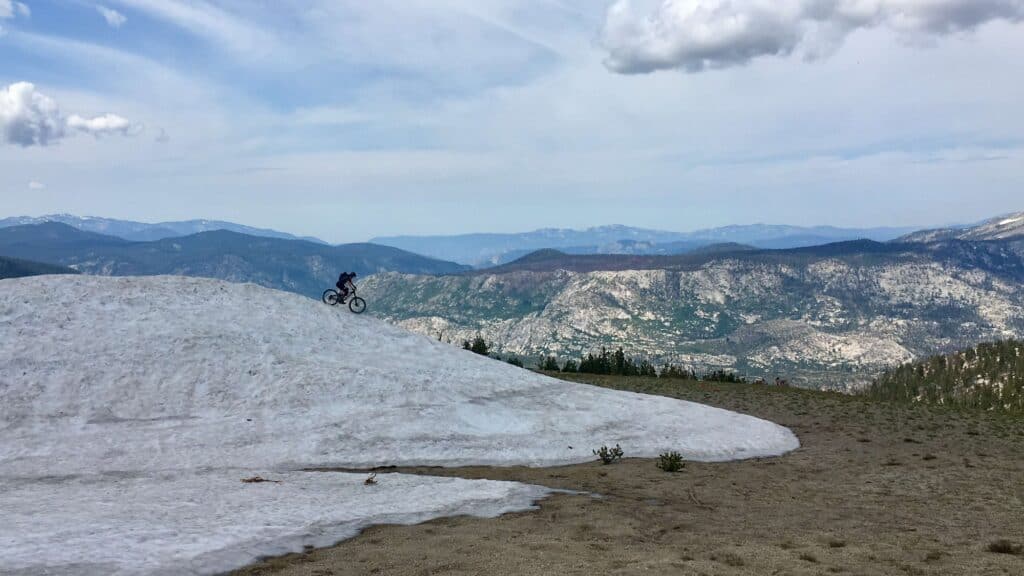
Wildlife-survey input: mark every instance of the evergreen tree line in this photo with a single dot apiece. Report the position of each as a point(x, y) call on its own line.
point(606, 362)
point(989, 376)
point(618, 363)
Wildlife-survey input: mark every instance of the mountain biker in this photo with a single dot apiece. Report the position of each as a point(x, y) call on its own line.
point(343, 281)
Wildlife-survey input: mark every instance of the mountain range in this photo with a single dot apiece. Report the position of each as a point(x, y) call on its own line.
point(293, 265)
point(144, 232)
point(483, 250)
point(831, 314)
point(836, 314)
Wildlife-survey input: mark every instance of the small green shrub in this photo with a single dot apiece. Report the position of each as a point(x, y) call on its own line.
point(671, 461)
point(608, 455)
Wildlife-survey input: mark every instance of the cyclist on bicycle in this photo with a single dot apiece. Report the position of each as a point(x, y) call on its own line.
point(343, 281)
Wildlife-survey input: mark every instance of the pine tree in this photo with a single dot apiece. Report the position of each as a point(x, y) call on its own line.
point(549, 364)
point(480, 346)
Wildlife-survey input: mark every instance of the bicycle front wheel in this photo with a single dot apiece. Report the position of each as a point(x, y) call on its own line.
point(330, 297)
point(357, 305)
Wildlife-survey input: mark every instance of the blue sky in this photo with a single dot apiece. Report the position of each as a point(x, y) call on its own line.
point(349, 119)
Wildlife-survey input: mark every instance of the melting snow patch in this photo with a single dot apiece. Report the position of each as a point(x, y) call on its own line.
point(130, 416)
point(211, 522)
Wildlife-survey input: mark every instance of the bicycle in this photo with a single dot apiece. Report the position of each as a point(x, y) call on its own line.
point(356, 304)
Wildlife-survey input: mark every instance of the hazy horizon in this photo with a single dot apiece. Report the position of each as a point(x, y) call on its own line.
point(300, 233)
point(349, 120)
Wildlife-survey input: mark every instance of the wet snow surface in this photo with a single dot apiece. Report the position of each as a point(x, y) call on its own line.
point(133, 407)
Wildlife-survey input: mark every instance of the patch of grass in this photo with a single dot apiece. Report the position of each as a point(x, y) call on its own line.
point(933, 556)
point(836, 544)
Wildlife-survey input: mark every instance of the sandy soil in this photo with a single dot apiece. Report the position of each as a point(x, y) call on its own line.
point(876, 489)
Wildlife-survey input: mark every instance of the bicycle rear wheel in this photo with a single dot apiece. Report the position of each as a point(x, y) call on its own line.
point(357, 305)
point(330, 297)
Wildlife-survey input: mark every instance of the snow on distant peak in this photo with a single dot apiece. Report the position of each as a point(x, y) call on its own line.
point(1009, 221)
point(166, 391)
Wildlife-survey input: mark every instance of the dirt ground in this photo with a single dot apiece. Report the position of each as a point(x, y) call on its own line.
point(875, 489)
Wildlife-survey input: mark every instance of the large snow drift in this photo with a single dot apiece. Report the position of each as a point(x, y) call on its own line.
point(120, 395)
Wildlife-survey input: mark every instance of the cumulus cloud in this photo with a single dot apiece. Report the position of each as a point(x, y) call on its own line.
point(696, 35)
point(30, 118)
point(114, 18)
point(100, 125)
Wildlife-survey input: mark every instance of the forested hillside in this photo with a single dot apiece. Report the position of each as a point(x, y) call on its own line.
point(988, 376)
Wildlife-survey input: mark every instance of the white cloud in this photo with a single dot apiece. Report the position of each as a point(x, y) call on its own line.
point(27, 117)
point(36, 185)
point(695, 35)
point(30, 118)
point(100, 125)
point(10, 9)
point(114, 18)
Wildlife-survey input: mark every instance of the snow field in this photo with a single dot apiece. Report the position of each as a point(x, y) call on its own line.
point(132, 407)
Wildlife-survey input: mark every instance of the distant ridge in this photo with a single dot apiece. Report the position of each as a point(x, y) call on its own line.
point(143, 232)
point(551, 260)
point(999, 228)
point(483, 250)
point(294, 265)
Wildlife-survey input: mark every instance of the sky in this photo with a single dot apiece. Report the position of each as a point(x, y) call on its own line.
point(348, 119)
